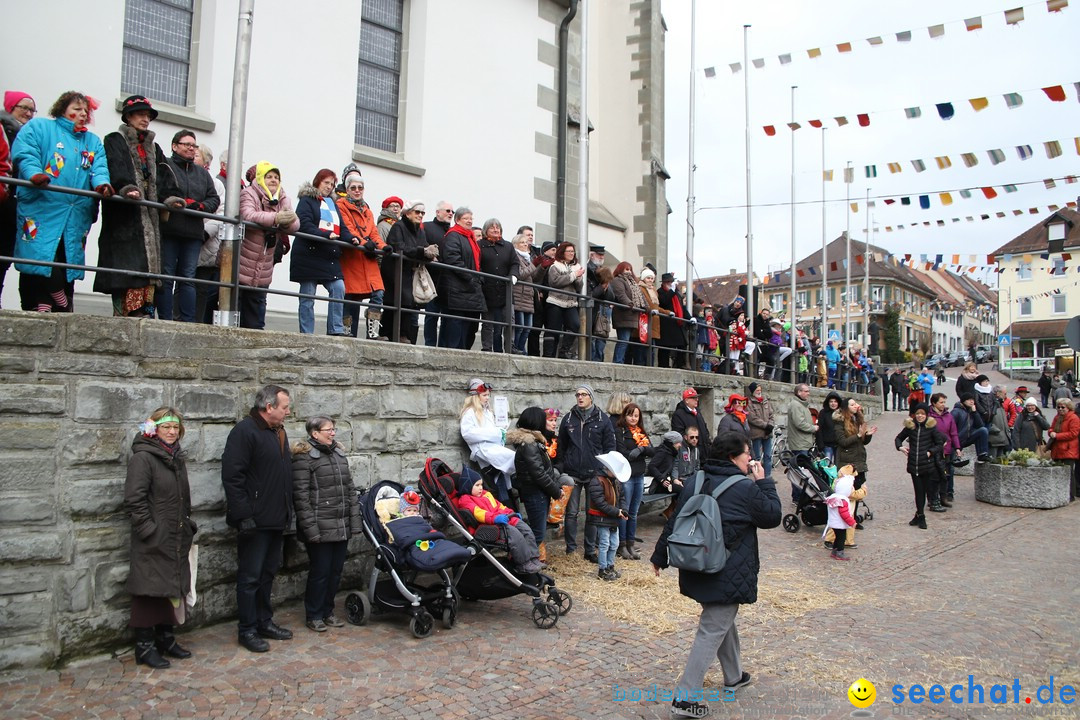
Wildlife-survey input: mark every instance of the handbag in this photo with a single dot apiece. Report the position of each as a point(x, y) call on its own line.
point(423, 287)
point(602, 326)
point(643, 328)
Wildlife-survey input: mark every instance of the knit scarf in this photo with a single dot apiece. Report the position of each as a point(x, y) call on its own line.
point(472, 242)
point(740, 415)
point(328, 216)
point(552, 448)
point(640, 438)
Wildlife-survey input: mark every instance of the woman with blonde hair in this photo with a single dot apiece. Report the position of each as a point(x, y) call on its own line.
point(652, 301)
point(484, 438)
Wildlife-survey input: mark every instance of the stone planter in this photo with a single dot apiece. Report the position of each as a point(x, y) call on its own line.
point(1022, 486)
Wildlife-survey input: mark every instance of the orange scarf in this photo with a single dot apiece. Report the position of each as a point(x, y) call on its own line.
point(640, 437)
point(552, 448)
point(740, 415)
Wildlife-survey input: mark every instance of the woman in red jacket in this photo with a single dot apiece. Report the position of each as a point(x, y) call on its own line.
point(1065, 432)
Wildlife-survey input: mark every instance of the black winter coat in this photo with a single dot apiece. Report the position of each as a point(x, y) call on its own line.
point(460, 291)
point(925, 446)
point(638, 457)
point(196, 185)
point(966, 421)
point(256, 473)
point(581, 439)
point(497, 258)
point(435, 232)
point(533, 471)
point(745, 506)
point(826, 432)
point(602, 512)
point(130, 234)
point(672, 329)
point(323, 493)
point(662, 466)
point(312, 260)
point(683, 418)
point(158, 500)
point(406, 238)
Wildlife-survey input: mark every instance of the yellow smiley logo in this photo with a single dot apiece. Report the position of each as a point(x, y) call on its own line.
point(862, 693)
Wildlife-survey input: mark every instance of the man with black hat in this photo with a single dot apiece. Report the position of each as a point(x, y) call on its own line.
point(672, 340)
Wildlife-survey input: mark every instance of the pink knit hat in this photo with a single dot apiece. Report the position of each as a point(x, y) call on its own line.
point(12, 98)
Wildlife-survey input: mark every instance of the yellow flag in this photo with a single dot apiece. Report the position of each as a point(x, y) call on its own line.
point(978, 104)
point(946, 198)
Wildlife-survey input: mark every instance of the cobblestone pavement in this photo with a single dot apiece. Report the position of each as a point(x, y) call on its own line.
point(986, 591)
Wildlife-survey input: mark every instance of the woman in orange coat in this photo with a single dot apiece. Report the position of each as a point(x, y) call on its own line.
point(1065, 432)
point(360, 267)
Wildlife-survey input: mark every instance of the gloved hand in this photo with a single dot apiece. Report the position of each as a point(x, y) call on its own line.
point(369, 246)
point(649, 450)
point(247, 526)
point(502, 520)
point(431, 252)
point(516, 516)
point(635, 453)
point(194, 204)
point(387, 250)
point(174, 202)
point(769, 429)
point(284, 218)
point(105, 189)
point(40, 179)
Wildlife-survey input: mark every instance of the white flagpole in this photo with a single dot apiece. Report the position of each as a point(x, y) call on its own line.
point(690, 199)
point(847, 276)
point(749, 230)
point(793, 307)
point(824, 254)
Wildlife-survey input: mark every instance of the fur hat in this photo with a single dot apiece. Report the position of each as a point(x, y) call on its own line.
point(964, 397)
point(918, 406)
point(672, 437)
point(616, 465)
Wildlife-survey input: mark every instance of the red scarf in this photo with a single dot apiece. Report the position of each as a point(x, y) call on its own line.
point(676, 306)
point(472, 242)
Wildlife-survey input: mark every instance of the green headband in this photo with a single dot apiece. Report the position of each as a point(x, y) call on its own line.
point(167, 418)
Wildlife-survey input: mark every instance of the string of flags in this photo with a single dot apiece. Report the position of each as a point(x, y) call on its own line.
point(945, 110)
point(1011, 17)
point(946, 198)
point(984, 216)
point(1052, 148)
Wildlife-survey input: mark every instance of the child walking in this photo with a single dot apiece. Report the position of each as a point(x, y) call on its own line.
point(605, 498)
point(840, 518)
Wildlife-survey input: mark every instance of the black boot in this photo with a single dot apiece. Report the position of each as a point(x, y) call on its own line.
point(166, 643)
point(146, 653)
point(922, 522)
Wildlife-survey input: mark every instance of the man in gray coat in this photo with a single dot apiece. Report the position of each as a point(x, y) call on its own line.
point(800, 426)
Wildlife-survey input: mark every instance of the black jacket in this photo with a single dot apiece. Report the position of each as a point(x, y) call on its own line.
point(406, 238)
point(461, 292)
point(966, 421)
point(628, 447)
point(662, 466)
point(826, 432)
point(256, 473)
point(683, 418)
point(435, 233)
point(581, 439)
point(497, 258)
point(605, 497)
point(312, 260)
point(197, 187)
point(323, 493)
point(745, 506)
point(533, 471)
point(672, 332)
point(925, 446)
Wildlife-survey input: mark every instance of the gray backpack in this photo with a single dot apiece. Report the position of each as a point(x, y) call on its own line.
point(696, 542)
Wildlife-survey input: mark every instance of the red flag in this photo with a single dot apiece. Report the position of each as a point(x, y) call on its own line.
point(800, 272)
point(1066, 256)
point(832, 266)
point(770, 130)
point(859, 259)
point(889, 201)
point(989, 192)
point(864, 119)
point(815, 123)
point(1055, 93)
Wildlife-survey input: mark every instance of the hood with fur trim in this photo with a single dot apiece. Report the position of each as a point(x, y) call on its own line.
point(519, 436)
point(308, 190)
point(931, 423)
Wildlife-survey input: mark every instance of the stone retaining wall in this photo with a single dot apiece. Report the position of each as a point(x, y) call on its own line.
point(73, 389)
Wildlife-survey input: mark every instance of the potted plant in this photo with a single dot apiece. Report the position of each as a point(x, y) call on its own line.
point(1022, 479)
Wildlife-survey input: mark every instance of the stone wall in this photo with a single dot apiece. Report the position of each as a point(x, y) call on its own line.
point(73, 389)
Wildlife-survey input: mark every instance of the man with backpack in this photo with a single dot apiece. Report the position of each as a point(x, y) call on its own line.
point(746, 503)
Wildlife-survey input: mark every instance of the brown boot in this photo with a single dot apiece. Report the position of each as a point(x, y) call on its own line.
point(542, 547)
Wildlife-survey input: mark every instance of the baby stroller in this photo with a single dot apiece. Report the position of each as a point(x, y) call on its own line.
point(414, 549)
point(485, 576)
point(807, 476)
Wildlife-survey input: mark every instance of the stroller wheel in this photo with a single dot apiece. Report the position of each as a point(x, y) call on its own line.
point(561, 599)
point(357, 608)
point(859, 519)
point(449, 617)
point(791, 523)
point(869, 515)
point(422, 624)
point(545, 615)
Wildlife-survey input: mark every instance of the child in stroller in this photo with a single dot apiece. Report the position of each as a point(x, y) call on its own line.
point(482, 505)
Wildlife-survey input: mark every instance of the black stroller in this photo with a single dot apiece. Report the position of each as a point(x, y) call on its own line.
point(485, 577)
point(805, 475)
point(399, 560)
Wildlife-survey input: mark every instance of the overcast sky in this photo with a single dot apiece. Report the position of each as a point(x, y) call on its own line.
point(880, 80)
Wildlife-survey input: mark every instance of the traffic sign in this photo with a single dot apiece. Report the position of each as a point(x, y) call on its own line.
point(1004, 340)
point(1072, 333)
point(834, 334)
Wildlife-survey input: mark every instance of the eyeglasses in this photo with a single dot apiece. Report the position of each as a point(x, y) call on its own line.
point(553, 412)
point(32, 111)
point(581, 394)
point(692, 437)
point(187, 144)
point(355, 187)
point(328, 430)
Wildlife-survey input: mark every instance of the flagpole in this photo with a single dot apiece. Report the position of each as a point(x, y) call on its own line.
point(749, 230)
point(690, 200)
point(824, 254)
point(847, 270)
point(866, 287)
point(865, 297)
point(793, 307)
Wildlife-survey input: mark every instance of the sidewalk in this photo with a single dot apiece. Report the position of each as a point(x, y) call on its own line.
point(985, 591)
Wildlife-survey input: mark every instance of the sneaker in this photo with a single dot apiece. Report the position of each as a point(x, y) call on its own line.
point(828, 545)
point(839, 555)
point(742, 682)
point(985, 457)
point(593, 558)
point(316, 625)
point(852, 546)
point(685, 709)
point(332, 621)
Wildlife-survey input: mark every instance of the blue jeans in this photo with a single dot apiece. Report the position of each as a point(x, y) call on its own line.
point(623, 335)
point(762, 448)
point(536, 510)
point(180, 257)
point(607, 542)
point(325, 561)
point(334, 310)
point(632, 492)
point(456, 331)
point(523, 322)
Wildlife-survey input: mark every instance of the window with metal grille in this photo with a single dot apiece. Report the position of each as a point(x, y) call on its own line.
point(157, 49)
point(379, 78)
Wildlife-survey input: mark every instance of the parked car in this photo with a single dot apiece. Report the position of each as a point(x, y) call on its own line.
point(933, 361)
point(955, 359)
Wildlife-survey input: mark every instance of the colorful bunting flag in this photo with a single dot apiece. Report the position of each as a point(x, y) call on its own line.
point(874, 41)
point(904, 36)
point(1014, 16)
point(794, 126)
point(936, 31)
point(966, 194)
point(735, 67)
point(978, 104)
point(1056, 93)
point(1009, 188)
point(1013, 100)
point(841, 121)
point(945, 110)
point(913, 112)
point(974, 23)
point(770, 130)
point(943, 162)
point(813, 53)
point(815, 123)
point(1024, 151)
point(919, 165)
point(924, 202)
point(871, 171)
point(946, 198)
point(989, 192)
point(849, 175)
point(826, 175)
point(969, 159)
point(785, 58)
point(1056, 5)
point(996, 156)
point(854, 207)
point(1049, 183)
point(710, 72)
point(864, 120)
point(758, 63)
point(1053, 149)
point(894, 168)
point(844, 47)
point(905, 201)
